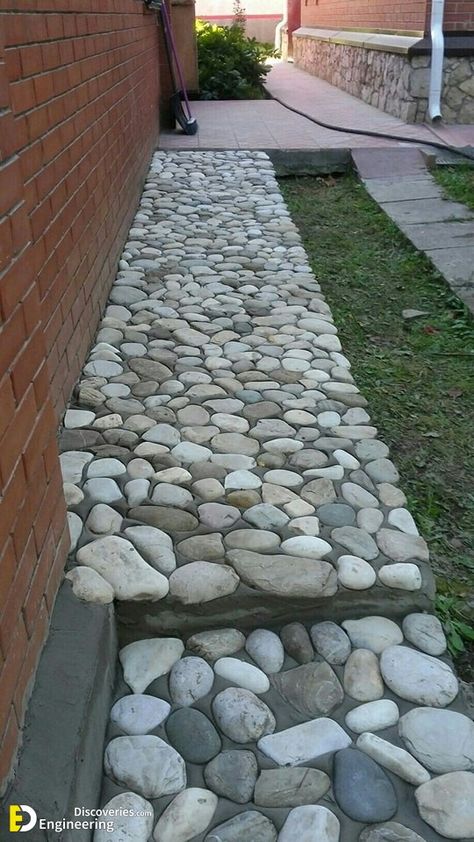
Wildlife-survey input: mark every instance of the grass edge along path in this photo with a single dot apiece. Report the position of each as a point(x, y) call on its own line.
point(417, 372)
point(457, 182)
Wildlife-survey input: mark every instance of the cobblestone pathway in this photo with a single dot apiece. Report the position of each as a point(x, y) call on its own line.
point(281, 675)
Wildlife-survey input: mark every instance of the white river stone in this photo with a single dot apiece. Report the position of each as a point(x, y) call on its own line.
point(145, 764)
point(190, 679)
point(396, 759)
point(202, 581)
point(242, 674)
point(443, 740)
point(154, 545)
point(447, 804)
point(373, 716)
point(126, 813)
point(305, 742)
point(145, 660)
point(355, 573)
point(139, 713)
point(374, 633)
point(90, 586)
point(124, 569)
point(306, 546)
point(189, 814)
point(405, 577)
point(266, 649)
point(310, 823)
point(418, 677)
point(425, 632)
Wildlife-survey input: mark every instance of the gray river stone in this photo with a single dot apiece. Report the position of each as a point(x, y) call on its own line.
point(242, 716)
point(282, 576)
point(290, 787)
point(442, 740)
point(336, 514)
point(357, 541)
point(313, 689)
point(244, 827)
point(202, 547)
point(362, 789)
point(219, 643)
point(149, 369)
point(389, 832)
point(165, 517)
point(331, 642)
point(232, 774)
point(297, 642)
point(192, 734)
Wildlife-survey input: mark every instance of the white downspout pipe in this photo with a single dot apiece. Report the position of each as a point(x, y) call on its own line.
point(280, 26)
point(437, 59)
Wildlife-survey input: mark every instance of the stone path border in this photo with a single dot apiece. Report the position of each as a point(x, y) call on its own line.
point(224, 484)
point(410, 196)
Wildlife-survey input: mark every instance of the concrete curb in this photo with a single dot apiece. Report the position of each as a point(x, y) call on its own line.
point(60, 763)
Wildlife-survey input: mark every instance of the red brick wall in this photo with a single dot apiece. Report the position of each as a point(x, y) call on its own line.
point(458, 15)
point(403, 15)
point(78, 123)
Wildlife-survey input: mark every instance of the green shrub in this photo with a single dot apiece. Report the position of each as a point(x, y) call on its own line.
point(231, 66)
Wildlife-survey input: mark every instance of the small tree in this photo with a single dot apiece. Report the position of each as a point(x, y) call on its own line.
point(240, 17)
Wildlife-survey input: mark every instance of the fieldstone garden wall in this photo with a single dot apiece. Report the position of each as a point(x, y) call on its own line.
point(393, 82)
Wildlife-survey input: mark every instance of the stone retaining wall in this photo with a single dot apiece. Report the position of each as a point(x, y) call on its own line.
point(393, 82)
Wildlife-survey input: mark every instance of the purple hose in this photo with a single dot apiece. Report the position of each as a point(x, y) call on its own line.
point(172, 42)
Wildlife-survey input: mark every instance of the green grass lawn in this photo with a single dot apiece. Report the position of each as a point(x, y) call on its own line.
point(458, 183)
point(418, 374)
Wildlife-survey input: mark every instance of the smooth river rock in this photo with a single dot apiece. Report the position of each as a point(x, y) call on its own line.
point(290, 787)
point(242, 716)
point(145, 660)
point(244, 827)
point(145, 764)
point(305, 742)
point(232, 774)
point(119, 563)
point(362, 789)
point(190, 679)
point(394, 758)
point(313, 689)
point(202, 581)
point(447, 804)
point(189, 813)
point(310, 823)
point(442, 740)
point(418, 677)
point(275, 574)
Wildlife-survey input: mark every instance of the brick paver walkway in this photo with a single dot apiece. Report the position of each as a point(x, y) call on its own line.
point(263, 124)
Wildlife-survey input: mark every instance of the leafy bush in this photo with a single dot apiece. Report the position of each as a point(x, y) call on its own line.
point(231, 66)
